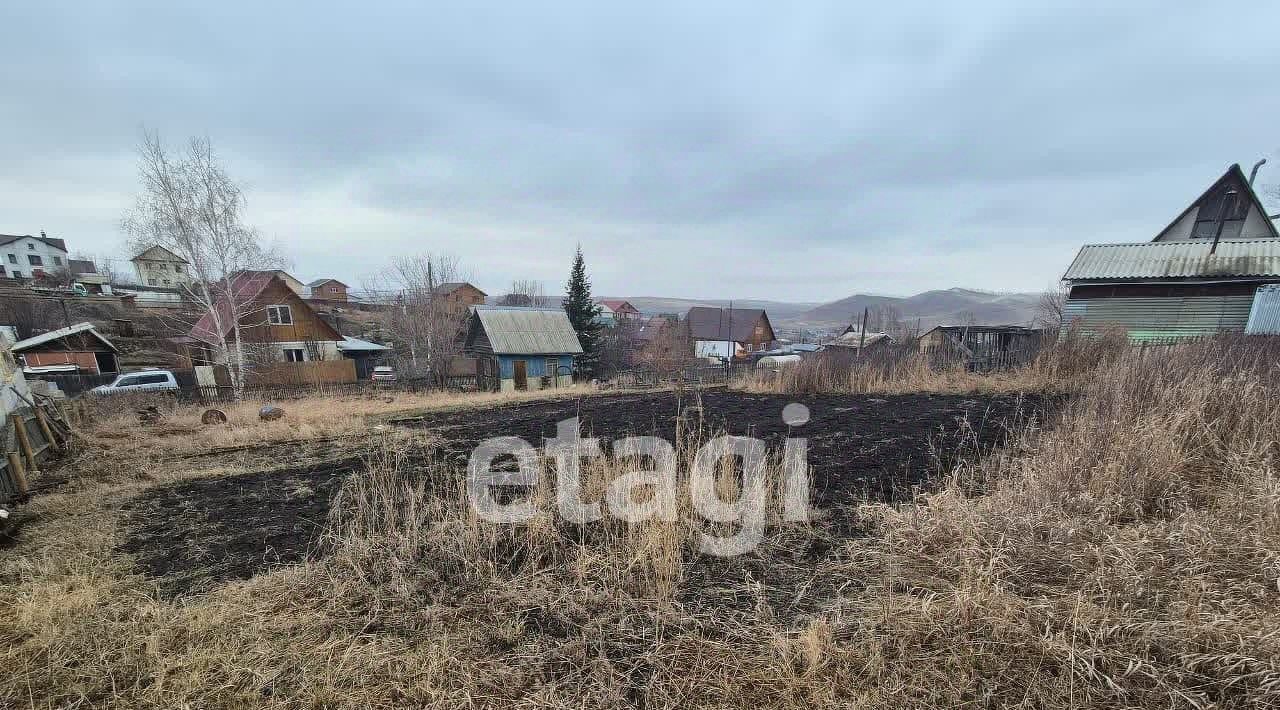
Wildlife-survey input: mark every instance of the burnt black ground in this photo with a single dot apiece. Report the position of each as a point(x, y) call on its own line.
point(198, 533)
point(860, 447)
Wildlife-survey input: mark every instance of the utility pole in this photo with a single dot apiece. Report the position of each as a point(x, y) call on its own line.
point(728, 365)
point(862, 338)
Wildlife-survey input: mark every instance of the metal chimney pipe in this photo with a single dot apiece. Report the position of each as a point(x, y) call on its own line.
point(1254, 173)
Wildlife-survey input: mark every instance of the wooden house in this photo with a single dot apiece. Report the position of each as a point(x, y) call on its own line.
point(459, 296)
point(1201, 275)
point(328, 290)
point(521, 348)
point(728, 332)
point(277, 326)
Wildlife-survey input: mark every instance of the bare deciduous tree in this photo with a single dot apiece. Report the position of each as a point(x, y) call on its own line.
point(425, 323)
point(189, 205)
point(31, 316)
point(1049, 310)
point(524, 293)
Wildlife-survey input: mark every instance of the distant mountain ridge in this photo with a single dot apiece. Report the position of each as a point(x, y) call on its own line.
point(930, 308)
point(938, 307)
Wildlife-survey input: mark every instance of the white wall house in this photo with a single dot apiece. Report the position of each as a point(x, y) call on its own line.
point(158, 266)
point(25, 256)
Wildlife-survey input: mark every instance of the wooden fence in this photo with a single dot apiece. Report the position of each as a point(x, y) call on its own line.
point(293, 374)
point(29, 436)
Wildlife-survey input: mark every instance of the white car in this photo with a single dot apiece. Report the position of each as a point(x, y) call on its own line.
point(145, 381)
point(383, 373)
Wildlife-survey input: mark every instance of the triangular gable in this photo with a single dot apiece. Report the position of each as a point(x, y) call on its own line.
point(1246, 219)
point(249, 287)
point(158, 253)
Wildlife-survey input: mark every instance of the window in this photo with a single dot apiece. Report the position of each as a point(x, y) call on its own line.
point(1225, 207)
point(31, 246)
point(177, 268)
point(553, 366)
point(13, 258)
point(279, 315)
point(57, 261)
point(126, 381)
point(151, 282)
point(1, 271)
point(17, 274)
point(295, 355)
point(152, 380)
point(166, 282)
point(34, 260)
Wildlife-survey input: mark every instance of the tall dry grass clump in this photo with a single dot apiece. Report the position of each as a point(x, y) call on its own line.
point(1128, 556)
point(1124, 553)
point(1060, 365)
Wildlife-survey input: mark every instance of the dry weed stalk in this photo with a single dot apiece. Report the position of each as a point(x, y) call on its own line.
point(1125, 554)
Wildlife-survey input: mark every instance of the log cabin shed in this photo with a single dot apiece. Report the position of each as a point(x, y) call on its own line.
point(521, 348)
point(1201, 275)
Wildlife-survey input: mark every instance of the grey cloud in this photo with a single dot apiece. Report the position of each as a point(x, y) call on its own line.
point(663, 136)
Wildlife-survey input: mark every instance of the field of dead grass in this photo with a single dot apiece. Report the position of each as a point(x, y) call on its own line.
point(1126, 556)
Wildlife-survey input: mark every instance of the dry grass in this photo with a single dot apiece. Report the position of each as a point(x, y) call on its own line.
point(1126, 557)
point(180, 432)
point(899, 370)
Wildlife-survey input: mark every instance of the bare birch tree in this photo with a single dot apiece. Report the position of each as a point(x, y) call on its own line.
point(189, 205)
point(426, 323)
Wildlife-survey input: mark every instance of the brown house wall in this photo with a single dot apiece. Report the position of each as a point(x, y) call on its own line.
point(87, 361)
point(330, 292)
point(306, 324)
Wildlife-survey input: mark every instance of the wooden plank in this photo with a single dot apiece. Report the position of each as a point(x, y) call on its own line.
point(17, 474)
point(43, 421)
point(24, 443)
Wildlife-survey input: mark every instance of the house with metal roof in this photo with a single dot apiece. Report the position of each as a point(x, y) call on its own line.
point(76, 348)
point(1201, 274)
point(728, 332)
point(521, 348)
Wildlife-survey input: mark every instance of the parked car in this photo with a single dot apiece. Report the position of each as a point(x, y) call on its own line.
point(145, 381)
point(383, 373)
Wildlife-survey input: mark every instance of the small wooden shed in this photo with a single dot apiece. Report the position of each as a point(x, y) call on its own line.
point(521, 348)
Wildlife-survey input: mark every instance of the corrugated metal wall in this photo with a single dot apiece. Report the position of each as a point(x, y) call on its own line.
point(1160, 318)
point(1264, 318)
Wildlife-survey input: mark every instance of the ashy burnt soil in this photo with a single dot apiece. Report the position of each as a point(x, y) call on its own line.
point(201, 532)
point(860, 446)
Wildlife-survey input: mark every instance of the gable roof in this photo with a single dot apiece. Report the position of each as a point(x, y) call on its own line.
point(652, 328)
point(61, 333)
point(247, 287)
point(81, 266)
point(617, 304)
point(350, 344)
point(59, 244)
point(449, 287)
point(1185, 259)
point(1235, 179)
point(158, 253)
point(524, 331)
point(736, 324)
point(320, 282)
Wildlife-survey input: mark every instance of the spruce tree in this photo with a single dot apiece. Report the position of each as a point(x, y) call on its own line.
point(582, 312)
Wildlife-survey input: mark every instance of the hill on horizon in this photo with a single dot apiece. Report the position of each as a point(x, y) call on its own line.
point(937, 307)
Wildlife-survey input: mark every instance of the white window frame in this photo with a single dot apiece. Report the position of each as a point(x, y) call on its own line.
point(274, 315)
point(288, 357)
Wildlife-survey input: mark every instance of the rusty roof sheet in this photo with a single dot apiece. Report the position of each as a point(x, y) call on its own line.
point(1176, 260)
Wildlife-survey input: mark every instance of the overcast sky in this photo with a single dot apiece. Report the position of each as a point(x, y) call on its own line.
point(790, 151)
